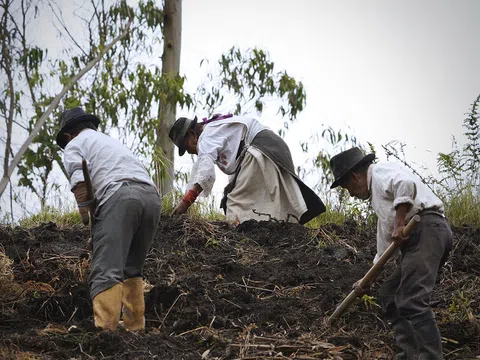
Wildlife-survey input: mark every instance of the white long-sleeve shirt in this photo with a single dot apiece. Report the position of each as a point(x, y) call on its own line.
point(390, 185)
point(109, 163)
point(219, 144)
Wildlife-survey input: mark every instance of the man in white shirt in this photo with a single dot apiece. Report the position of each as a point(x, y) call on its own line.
point(125, 220)
point(263, 183)
point(396, 195)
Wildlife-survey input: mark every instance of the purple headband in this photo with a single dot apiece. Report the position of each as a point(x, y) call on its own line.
point(215, 118)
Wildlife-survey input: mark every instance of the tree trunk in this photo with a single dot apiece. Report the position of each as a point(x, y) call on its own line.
point(6, 65)
point(165, 150)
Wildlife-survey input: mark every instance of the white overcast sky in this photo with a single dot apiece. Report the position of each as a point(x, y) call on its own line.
point(382, 70)
point(389, 70)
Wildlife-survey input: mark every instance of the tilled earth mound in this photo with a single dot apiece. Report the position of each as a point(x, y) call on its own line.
point(214, 291)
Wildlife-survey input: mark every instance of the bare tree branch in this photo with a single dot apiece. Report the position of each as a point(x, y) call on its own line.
point(25, 65)
point(11, 202)
point(62, 22)
point(20, 125)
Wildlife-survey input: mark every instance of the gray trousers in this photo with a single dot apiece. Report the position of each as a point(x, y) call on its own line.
point(406, 293)
point(124, 229)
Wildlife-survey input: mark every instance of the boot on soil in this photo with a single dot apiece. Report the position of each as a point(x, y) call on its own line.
point(405, 339)
point(133, 304)
point(430, 342)
point(106, 308)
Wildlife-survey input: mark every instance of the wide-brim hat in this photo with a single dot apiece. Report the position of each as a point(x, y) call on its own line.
point(69, 119)
point(341, 164)
point(178, 131)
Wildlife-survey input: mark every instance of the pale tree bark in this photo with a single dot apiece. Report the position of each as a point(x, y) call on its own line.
point(164, 164)
point(18, 156)
point(6, 65)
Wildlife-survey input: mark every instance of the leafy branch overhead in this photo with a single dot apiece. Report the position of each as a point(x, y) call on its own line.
point(459, 169)
point(463, 164)
point(120, 89)
point(21, 72)
point(250, 78)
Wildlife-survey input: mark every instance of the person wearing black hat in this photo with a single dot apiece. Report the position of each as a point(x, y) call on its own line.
point(396, 195)
point(126, 217)
point(263, 183)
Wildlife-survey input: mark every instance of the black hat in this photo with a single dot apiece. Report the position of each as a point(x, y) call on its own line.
point(70, 118)
point(178, 131)
point(341, 164)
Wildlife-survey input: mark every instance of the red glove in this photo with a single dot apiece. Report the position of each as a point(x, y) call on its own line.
point(187, 200)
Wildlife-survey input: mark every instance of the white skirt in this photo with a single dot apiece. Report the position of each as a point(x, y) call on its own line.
point(264, 191)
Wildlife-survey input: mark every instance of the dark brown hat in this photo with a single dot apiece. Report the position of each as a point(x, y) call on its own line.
point(341, 164)
point(178, 131)
point(71, 118)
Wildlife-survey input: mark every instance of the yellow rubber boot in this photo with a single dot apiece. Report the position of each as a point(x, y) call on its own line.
point(133, 304)
point(106, 308)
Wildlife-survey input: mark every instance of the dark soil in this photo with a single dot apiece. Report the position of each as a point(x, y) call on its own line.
point(215, 291)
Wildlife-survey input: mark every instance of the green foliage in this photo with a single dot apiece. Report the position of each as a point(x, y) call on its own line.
point(203, 208)
point(123, 90)
point(169, 201)
point(251, 79)
point(471, 152)
point(127, 88)
point(461, 167)
point(460, 307)
point(338, 213)
point(462, 207)
point(207, 209)
point(340, 206)
point(459, 184)
point(25, 63)
point(337, 141)
point(212, 242)
point(330, 216)
point(395, 149)
point(369, 302)
point(331, 142)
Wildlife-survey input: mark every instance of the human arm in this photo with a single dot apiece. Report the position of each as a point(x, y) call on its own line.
point(189, 198)
point(404, 191)
point(359, 290)
point(73, 164)
point(400, 219)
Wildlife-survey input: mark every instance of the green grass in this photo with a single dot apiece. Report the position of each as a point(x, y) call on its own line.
point(352, 209)
point(169, 201)
point(463, 208)
point(61, 218)
point(204, 208)
point(330, 216)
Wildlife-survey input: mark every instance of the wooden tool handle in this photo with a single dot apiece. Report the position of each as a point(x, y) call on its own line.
point(372, 273)
point(88, 181)
point(377, 267)
point(90, 192)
